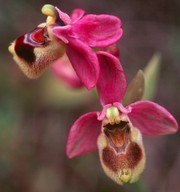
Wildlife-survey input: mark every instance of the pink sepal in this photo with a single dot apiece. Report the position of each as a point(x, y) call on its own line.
point(111, 84)
point(77, 14)
point(152, 119)
point(83, 135)
point(64, 17)
point(98, 30)
point(84, 62)
point(64, 71)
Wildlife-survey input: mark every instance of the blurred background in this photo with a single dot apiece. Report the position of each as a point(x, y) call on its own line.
point(35, 115)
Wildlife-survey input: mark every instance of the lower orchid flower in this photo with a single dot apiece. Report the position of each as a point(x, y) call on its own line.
point(117, 130)
point(75, 35)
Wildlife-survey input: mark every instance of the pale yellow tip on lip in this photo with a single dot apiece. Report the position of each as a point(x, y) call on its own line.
point(125, 176)
point(49, 10)
point(11, 48)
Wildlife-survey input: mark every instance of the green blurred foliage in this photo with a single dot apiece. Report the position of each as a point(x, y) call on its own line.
point(151, 73)
point(135, 89)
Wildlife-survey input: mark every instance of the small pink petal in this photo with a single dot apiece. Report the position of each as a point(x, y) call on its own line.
point(98, 30)
point(152, 119)
point(121, 108)
point(83, 135)
point(84, 62)
point(111, 85)
point(62, 32)
point(64, 17)
point(102, 114)
point(77, 14)
point(64, 71)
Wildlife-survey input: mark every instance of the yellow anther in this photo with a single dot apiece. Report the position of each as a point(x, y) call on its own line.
point(113, 115)
point(50, 12)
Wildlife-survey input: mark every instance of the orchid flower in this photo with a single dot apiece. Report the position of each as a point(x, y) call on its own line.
point(76, 36)
point(117, 130)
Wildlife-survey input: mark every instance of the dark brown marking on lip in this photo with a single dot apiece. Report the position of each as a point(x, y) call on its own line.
point(110, 159)
point(134, 154)
point(115, 161)
point(25, 44)
point(24, 51)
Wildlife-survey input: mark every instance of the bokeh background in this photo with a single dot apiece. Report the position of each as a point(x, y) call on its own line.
point(35, 115)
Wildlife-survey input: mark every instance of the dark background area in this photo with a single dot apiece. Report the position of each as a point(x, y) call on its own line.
point(35, 115)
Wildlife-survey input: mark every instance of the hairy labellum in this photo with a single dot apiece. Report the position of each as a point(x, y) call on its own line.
point(35, 51)
point(121, 150)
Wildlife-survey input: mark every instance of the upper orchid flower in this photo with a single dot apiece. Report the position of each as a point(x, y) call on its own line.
point(75, 35)
point(117, 130)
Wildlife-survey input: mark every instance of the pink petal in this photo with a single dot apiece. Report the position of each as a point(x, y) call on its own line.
point(102, 114)
point(152, 119)
point(63, 69)
point(111, 85)
point(84, 62)
point(83, 135)
point(77, 14)
point(64, 17)
point(98, 30)
point(62, 32)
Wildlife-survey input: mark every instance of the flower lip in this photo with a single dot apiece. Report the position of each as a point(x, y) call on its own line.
point(122, 125)
point(118, 135)
point(25, 44)
point(24, 50)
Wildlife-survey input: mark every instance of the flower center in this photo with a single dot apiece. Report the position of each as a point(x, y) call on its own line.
point(118, 135)
point(117, 129)
point(113, 116)
point(52, 15)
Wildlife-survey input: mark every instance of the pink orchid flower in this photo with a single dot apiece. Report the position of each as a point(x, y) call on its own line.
point(75, 36)
point(117, 130)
